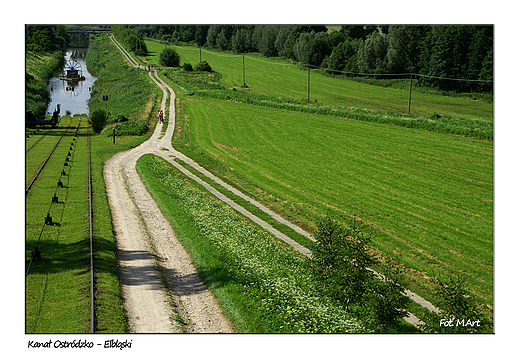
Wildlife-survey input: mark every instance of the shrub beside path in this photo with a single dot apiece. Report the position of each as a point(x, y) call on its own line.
point(149, 252)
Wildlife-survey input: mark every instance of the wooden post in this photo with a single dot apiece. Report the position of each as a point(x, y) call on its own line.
point(244, 69)
point(410, 95)
point(200, 54)
point(308, 83)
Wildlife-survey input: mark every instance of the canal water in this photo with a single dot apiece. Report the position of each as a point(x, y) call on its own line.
point(72, 96)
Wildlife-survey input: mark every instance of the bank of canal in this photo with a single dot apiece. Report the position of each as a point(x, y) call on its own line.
point(73, 96)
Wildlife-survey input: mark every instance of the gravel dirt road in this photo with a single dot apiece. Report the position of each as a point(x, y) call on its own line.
point(158, 280)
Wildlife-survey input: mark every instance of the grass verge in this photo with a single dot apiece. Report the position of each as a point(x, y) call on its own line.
point(261, 286)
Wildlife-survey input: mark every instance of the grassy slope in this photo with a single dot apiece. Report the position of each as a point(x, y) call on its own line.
point(279, 78)
point(38, 70)
point(429, 196)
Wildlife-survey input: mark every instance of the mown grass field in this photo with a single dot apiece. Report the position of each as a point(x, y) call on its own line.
point(428, 196)
point(280, 78)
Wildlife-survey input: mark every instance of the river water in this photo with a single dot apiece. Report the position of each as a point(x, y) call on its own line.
point(72, 96)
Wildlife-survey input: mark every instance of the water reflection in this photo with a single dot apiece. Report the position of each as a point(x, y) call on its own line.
point(72, 95)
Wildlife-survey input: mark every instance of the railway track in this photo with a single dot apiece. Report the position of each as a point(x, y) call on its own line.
point(46, 159)
point(47, 237)
point(34, 144)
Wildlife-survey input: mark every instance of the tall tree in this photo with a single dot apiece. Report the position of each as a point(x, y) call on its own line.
point(318, 49)
point(340, 55)
point(266, 45)
point(372, 55)
point(201, 33)
point(397, 49)
point(211, 38)
point(241, 41)
point(281, 38)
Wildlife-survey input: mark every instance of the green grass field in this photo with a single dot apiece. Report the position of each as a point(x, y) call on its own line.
point(279, 78)
point(428, 196)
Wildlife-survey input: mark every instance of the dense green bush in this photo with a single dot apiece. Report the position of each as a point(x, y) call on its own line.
point(169, 58)
point(203, 66)
point(98, 119)
point(459, 312)
point(131, 128)
point(187, 67)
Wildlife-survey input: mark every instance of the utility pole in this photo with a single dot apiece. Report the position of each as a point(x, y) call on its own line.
point(308, 83)
point(410, 95)
point(244, 69)
point(200, 54)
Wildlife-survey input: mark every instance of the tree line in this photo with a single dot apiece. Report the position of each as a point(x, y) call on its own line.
point(46, 39)
point(432, 51)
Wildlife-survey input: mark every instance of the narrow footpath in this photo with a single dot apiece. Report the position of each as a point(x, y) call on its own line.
point(150, 254)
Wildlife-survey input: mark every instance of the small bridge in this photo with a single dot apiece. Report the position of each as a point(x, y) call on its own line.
point(89, 30)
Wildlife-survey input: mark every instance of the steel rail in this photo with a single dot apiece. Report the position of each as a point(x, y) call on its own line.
point(34, 144)
point(46, 160)
point(92, 313)
point(36, 248)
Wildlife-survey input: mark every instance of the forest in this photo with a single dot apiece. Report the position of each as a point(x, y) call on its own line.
point(430, 53)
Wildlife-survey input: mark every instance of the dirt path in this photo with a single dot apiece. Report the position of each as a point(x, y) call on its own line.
point(149, 252)
point(155, 269)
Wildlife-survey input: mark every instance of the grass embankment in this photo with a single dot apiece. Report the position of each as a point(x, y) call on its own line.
point(58, 286)
point(131, 94)
point(279, 78)
point(39, 68)
point(262, 286)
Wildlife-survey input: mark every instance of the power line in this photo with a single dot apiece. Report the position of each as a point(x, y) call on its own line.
point(403, 75)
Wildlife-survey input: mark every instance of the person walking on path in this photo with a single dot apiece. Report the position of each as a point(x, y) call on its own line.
point(160, 115)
